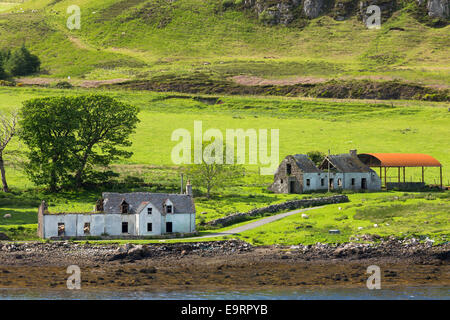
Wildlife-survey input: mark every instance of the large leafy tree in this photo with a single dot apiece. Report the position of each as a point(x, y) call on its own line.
point(49, 128)
point(68, 137)
point(105, 125)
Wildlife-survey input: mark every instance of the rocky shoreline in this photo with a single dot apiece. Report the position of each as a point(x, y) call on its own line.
point(223, 264)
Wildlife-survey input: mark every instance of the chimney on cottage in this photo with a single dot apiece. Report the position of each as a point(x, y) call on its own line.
point(99, 205)
point(43, 209)
point(181, 189)
point(354, 153)
point(189, 188)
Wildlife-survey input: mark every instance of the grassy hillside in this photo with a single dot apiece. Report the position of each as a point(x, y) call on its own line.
point(145, 38)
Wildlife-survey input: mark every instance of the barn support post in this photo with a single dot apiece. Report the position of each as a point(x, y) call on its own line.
point(404, 174)
point(423, 176)
point(398, 175)
point(381, 175)
point(440, 169)
point(385, 182)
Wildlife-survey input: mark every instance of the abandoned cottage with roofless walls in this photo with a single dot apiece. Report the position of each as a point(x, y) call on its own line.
point(124, 214)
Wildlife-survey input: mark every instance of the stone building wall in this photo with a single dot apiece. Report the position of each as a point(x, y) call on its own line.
point(282, 181)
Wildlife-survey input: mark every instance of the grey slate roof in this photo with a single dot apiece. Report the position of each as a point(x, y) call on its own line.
point(182, 203)
point(345, 163)
point(305, 163)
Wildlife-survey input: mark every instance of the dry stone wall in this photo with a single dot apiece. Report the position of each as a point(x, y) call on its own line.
point(288, 205)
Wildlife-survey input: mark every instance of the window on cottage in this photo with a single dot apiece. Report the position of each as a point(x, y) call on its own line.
point(340, 182)
point(124, 227)
point(322, 182)
point(353, 181)
point(149, 227)
point(281, 180)
point(288, 169)
point(169, 209)
point(61, 229)
point(87, 228)
point(124, 207)
point(308, 182)
point(168, 227)
point(149, 210)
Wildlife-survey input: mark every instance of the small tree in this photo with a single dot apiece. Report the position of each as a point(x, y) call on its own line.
point(316, 156)
point(214, 175)
point(7, 132)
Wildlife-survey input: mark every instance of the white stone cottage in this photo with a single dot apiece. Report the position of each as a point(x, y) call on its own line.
point(298, 174)
point(124, 214)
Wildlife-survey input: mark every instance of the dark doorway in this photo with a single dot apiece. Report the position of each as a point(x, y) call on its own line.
point(291, 186)
point(124, 227)
point(168, 227)
point(331, 184)
point(364, 183)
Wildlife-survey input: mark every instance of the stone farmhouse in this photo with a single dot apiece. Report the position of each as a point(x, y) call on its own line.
point(298, 174)
point(124, 215)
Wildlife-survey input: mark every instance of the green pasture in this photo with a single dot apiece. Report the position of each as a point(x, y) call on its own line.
point(304, 124)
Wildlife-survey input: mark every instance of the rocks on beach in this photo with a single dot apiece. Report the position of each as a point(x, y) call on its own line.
point(375, 247)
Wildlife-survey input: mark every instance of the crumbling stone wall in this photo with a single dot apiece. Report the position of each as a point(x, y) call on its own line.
point(282, 180)
point(288, 205)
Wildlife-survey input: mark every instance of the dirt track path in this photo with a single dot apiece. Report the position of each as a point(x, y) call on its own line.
point(255, 224)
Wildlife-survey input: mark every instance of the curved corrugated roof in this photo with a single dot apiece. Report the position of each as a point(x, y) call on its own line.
point(398, 160)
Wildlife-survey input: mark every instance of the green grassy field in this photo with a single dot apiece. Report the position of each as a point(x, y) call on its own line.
point(400, 214)
point(146, 38)
point(304, 125)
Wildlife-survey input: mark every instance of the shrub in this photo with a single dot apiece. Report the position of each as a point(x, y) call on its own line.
point(266, 18)
point(64, 85)
point(2, 71)
point(4, 83)
point(316, 156)
point(21, 62)
point(227, 3)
